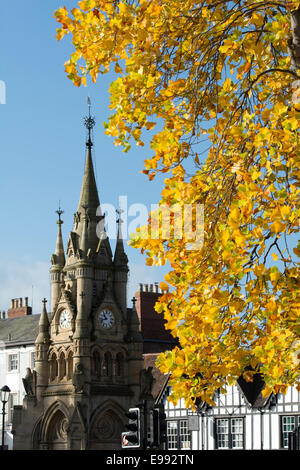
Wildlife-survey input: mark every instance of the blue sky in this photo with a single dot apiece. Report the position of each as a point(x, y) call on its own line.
point(42, 148)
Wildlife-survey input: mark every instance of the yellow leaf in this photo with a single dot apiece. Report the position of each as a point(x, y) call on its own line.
point(277, 226)
point(150, 125)
point(259, 270)
point(227, 85)
point(247, 67)
point(225, 236)
point(296, 251)
point(118, 69)
point(275, 256)
point(164, 286)
point(171, 324)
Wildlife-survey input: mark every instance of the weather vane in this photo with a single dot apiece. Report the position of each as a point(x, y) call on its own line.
point(89, 123)
point(59, 212)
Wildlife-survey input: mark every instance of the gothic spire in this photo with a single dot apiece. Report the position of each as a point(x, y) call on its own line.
point(120, 257)
point(86, 232)
point(59, 255)
point(89, 193)
point(43, 335)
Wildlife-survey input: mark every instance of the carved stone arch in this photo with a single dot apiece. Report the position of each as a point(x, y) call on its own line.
point(52, 351)
point(61, 349)
point(106, 426)
point(54, 427)
point(36, 435)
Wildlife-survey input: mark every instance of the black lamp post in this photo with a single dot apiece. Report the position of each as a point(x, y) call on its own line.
point(5, 391)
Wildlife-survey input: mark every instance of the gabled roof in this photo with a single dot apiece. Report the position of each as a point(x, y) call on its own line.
point(252, 391)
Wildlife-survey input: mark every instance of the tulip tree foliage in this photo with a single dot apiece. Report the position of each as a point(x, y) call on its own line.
point(217, 85)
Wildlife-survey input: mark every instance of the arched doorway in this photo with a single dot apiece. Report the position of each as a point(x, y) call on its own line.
point(53, 430)
point(57, 431)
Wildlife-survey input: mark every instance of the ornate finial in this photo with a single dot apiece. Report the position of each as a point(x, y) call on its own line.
point(44, 302)
point(133, 300)
point(89, 123)
point(59, 212)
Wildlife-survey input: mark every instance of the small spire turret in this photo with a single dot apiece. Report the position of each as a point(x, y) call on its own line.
point(120, 258)
point(44, 324)
point(59, 255)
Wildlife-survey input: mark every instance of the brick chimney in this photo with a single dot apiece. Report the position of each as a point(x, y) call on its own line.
point(156, 337)
point(18, 308)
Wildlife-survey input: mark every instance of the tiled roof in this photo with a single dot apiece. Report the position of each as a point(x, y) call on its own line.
point(160, 379)
point(19, 329)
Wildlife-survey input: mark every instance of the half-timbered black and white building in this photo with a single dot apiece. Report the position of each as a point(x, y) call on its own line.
point(241, 419)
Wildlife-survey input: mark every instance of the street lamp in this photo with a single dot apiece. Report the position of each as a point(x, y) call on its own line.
point(5, 391)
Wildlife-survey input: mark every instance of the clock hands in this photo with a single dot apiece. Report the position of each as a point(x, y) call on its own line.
point(106, 318)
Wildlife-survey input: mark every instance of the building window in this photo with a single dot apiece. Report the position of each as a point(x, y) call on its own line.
point(13, 362)
point(229, 433)
point(62, 366)
point(179, 437)
point(107, 365)
point(53, 367)
point(32, 360)
point(288, 424)
point(96, 364)
point(13, 400)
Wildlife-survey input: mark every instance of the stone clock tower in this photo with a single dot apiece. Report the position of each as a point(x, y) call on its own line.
point(89, 349)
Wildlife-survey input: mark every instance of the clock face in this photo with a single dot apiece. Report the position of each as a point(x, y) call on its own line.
point(65, 319)
point(106, 319)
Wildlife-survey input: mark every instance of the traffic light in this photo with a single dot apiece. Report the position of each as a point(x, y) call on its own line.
point(132, 437)
point(158, 427)
point(154, 428)
point(162, 427)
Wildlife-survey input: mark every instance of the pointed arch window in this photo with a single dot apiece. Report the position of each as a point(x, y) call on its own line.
point(107, 364)
point(62, 366)
point(119, 365)
point(96, 363)
point(53, 367)
point(70, 365)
